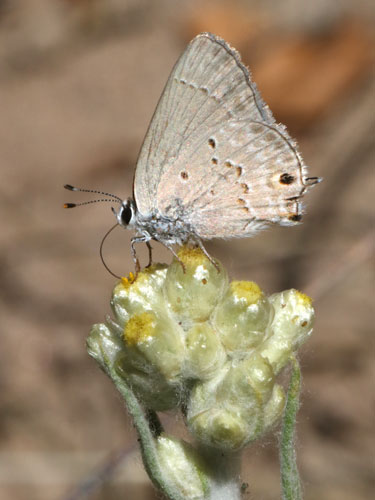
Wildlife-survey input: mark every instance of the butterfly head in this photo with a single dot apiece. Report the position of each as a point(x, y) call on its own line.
point(126, 214)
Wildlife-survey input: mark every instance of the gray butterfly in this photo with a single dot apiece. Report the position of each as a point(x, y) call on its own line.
point(214, 163)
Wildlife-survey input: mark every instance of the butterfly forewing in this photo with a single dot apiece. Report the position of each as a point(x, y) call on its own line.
point(213, 156)
point(208, 84)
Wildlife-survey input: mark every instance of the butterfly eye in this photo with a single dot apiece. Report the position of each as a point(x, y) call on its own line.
point(126, 214)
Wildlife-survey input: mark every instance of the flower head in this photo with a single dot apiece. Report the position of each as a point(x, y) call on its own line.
point(183, 336)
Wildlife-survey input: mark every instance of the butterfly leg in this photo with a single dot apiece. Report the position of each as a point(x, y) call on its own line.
point(175, 255)
point(137, 239)
point(198, 241)
point(149, 253)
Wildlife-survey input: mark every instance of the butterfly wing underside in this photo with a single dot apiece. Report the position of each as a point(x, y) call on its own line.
point(213, 156)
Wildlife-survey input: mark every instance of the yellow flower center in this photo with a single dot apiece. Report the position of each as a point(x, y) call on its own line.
point(247, 290)
point(304, 299)
point(139, 328)
point(191, 257)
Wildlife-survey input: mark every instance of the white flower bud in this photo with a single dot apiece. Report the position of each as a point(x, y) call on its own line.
point(159, 340)
point(248, 383)
point(103, 345)
point(194, 291)
point(242, 316)
point(131, 296)
point(224, 428)
point(182, 467)
point(291, 326)
point(205, 353)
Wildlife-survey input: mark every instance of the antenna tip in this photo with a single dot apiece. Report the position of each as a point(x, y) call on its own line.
point(311, 181)
point(71, 188)
point(69, 205)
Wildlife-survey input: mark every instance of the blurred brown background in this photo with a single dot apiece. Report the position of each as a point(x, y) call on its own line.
point(79, 80)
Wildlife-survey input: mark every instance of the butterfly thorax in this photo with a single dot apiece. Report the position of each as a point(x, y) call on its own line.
point(153, 226)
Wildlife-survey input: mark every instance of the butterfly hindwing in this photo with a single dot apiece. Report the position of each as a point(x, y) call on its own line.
point(234, 181)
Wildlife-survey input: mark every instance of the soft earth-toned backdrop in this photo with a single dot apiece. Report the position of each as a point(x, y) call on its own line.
point(79, 81)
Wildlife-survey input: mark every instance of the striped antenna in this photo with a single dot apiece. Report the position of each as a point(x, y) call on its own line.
point(73, 205)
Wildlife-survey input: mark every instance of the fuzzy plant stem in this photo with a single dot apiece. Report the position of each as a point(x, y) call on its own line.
point(290, 481)
point(147, 426)
point(224, 470)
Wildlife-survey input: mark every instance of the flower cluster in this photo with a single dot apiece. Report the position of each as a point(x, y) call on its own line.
point(185, 337)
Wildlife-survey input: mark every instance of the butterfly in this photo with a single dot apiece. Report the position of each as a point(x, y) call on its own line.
point(214, 162)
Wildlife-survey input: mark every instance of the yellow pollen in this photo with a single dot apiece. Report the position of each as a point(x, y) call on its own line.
point(126, 282)
point(304, 299)
point(191, 256)
point(139, 328)
point(246, 290)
